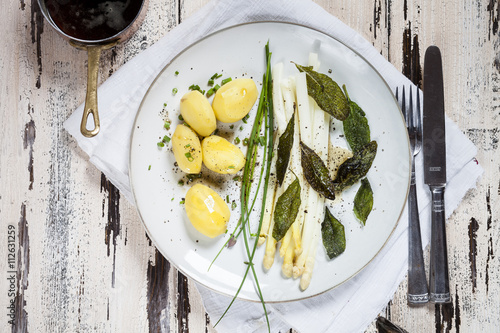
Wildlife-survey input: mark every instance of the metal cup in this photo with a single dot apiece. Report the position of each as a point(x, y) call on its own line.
point(94, 48)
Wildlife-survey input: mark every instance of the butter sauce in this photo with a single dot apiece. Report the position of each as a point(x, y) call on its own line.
point(93, 19)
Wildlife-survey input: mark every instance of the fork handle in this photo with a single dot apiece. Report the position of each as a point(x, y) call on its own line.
point(418, 292)
point(439, 284)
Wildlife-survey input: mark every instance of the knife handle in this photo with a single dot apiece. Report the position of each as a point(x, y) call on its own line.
point(439, 285)
point(418, 292)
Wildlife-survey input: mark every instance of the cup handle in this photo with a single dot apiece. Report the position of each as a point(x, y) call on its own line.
point(94, 55)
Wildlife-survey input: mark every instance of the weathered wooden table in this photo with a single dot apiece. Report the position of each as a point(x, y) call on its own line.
point(75, 255)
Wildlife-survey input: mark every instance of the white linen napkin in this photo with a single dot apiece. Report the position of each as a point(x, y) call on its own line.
point(350, 307)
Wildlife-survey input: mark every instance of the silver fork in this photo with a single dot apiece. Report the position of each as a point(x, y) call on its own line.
point(418, 291)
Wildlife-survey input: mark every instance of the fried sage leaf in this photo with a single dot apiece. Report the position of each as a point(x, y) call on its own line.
point(333, 234)
point(326, 93)
point(356, 167)
point(284, 151)
point(316, 173)
point(363, 201)
point(286, 210)
point(356, 128)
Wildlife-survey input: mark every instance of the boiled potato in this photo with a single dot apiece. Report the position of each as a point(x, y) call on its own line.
point(187, 149)
point(234, 100)
point(197, 112)
point(221, 156)
point(206, 210)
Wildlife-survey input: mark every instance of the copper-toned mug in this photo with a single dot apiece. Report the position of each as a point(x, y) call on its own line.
point(93, 25)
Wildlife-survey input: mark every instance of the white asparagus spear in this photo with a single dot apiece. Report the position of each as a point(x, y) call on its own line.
point(322, 124)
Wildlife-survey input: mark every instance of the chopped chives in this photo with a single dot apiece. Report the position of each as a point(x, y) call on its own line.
point(149, 167)
point(167, 125)
point(226, 81)
point(193, 176)
point(216, 76)
point(189, 157)
point(160, 144)
point(237, 140)
point(180, 182)
point(166, 139)
point(210, 92)
point(233, 205)
point(176, 72)
point(196, 87)
point(174, 91)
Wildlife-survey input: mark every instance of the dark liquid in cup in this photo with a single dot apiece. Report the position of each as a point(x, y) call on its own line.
point(93, 19)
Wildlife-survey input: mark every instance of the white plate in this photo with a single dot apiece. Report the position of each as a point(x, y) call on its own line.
point(239, 51)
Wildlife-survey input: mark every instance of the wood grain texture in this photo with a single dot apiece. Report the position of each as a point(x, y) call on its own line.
point(83, 262)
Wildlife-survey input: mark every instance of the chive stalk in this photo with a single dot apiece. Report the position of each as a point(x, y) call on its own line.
point(264, 112)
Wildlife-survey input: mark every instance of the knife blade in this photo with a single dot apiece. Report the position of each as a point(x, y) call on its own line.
point(434, 153)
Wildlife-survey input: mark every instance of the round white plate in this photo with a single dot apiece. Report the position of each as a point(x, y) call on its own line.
point(239, 52)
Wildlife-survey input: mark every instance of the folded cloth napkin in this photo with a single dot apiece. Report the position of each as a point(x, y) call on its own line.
point(350, 307)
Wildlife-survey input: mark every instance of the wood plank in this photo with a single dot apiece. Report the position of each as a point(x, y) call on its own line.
point(82, 259)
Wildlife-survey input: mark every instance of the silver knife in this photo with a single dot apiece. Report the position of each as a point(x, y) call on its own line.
point(434, 150)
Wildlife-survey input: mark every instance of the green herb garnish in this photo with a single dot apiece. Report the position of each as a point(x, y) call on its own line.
point(316, 173)
point(226, 81)
point(264, 112)
point(333, 234)
point(196, 87)
point(192, 176)
point(285, 144)
point(356, 167)
point(212, 79)
point(286, 210)
point(356, 128)
point(326, 93)
point(363, 201)
point(210, 92)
